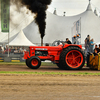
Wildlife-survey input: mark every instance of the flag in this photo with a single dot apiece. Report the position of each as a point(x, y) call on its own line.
point(78, 26)
point(76, 29)
point(5, 7)
point(76, 32)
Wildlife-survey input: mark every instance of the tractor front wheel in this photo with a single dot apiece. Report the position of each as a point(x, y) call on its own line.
point(26, 61)
point(34, 62)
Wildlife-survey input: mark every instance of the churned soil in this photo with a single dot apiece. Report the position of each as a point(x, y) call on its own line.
point(48, 87)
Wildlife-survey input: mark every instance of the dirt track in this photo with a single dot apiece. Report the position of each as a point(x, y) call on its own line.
point(42, 69)
point(48, 87)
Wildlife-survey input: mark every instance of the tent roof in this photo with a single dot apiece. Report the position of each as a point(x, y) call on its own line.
point(21, 40)
point(89, 7)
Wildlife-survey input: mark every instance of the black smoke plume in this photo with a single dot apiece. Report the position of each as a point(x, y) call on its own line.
point(38, 7)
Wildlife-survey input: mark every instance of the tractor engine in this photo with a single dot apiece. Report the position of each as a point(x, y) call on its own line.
point(41, 53)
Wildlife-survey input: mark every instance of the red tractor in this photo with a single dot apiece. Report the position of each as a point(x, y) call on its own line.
point(65, 56)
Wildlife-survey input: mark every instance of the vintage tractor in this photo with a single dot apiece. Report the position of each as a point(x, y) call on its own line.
point(65, 56)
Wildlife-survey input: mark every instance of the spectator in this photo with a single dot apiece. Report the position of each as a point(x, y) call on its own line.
point(12, 49)
point(5, 47)
point(6, 50)
point(96, 48)
point(1, 50)
point(19, 50)
point(87, 44)
point(16, 50)
point(95, 52)
point(23, 49)
point(91, 45)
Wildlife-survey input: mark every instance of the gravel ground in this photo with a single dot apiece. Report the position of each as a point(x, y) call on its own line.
point(48, 87)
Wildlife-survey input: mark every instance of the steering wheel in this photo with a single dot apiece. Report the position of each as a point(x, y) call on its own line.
point(58, 42)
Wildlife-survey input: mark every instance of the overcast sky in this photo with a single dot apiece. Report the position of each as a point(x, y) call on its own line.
point(72, 7)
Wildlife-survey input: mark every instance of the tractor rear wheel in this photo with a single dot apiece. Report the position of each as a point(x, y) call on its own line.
point(72, 58)
point(34, 62)
point(59, 65)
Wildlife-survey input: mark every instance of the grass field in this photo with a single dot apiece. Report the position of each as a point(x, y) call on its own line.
point(23, 63)
point(50, 73)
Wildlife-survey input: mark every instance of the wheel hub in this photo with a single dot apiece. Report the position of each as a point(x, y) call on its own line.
point(74, 58)
point(34, 62)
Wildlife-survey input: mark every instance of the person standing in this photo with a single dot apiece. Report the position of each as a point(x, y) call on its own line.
point(96, 47)
point(87, 44)
point(91, 45)
point(99, 49)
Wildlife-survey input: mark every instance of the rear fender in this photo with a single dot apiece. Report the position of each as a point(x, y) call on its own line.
point(72, 45)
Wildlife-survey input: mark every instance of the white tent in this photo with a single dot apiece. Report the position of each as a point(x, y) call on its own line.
point(98, 43)
point(5, 35)
point(21, 40)
point(59, 27)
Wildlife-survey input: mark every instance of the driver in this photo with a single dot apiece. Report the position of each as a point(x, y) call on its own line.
point(67, 41)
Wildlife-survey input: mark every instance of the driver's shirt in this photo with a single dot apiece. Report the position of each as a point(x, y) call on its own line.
point(69, 42)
